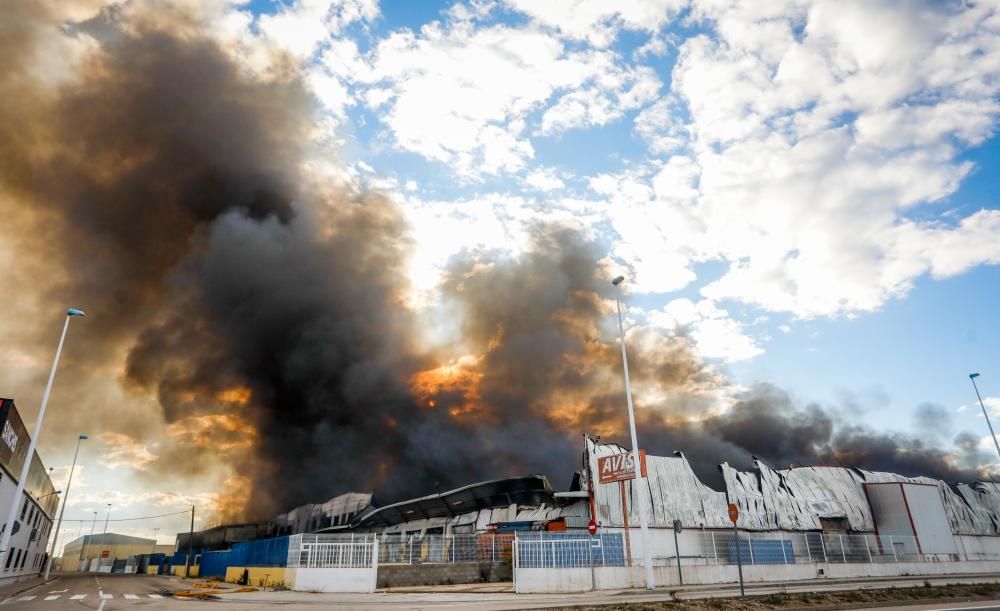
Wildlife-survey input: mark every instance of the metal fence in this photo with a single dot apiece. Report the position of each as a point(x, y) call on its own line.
point(792, 548)
point(568, 550)
point(427, 549)
point(333, 552)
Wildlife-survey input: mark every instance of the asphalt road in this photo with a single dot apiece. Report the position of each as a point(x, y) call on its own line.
point(113, 592)
point(104, 592)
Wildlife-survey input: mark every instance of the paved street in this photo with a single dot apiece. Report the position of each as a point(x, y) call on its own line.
point(111, 592)
point(105, 592)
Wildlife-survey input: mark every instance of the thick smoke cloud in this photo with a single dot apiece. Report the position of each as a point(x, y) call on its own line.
point(161, 188)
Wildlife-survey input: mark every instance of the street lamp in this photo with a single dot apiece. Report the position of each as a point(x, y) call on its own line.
point(104, 537)
point(12, 514)
point(90, 539)
point(636, 465)
point(48, 565)
point(993, 436)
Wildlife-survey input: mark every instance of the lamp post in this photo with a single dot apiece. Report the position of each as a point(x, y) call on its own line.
point(52, 552)
point(636, 465)
point(90, 539)
point(993, 436)
point(156, 534)
point(16, 499)
point(104, 537)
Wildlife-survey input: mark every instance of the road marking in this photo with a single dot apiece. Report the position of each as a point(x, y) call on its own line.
point(105, 596)
point(59, 591)
point(78, 597)
point(155, 596)
point(26, 598)
point(131, 596)
point(53, 597)
point(993, 606)
point(101, 607)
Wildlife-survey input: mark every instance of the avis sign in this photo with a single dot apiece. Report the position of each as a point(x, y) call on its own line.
point(618, 467)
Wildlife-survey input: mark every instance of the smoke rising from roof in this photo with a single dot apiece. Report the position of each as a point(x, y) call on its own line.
point(162, 188)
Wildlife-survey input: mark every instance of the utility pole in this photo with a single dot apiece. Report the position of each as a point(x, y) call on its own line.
point(187, 562)
point(156, 534)
point(104, 538)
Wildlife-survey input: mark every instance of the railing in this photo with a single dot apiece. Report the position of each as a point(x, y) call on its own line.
point(568, 550)
point(792, 548)
point(320, 551)
point(426, 549)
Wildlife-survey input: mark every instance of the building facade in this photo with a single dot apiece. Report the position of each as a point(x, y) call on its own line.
point(81, 553)
point(33, 522)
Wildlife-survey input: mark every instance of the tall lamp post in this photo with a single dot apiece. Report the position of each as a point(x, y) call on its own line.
point(89, 540)
point(636, 465)
point(104, 537)
point(16, 499)
point(993, 436)
point(55, 536)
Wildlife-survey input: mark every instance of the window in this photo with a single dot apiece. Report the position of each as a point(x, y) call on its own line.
point(31, 514)
point(24, 509)
point(17, 560)
point(10, 557)
point(24, 558)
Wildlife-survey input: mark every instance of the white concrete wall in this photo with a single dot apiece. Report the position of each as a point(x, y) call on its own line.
point(19, 541)
point(977, 547)
point(610, 578)
point(330, 580)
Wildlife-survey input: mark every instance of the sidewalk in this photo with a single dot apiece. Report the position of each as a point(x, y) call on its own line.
point(467, 598)
point(17, 587)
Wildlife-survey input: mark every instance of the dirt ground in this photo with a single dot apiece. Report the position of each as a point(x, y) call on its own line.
point(817, 601)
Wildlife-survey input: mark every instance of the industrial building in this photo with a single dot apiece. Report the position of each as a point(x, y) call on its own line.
point(31, 528)
point(90, 552)
point(806, 516)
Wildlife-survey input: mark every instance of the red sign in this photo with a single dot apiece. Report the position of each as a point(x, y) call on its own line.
point(618, 467)
point(592, 527)
point(105, 553)
point(734, 513)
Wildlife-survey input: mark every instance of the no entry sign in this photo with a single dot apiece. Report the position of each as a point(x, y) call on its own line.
point(734, 513)
point(592, 527)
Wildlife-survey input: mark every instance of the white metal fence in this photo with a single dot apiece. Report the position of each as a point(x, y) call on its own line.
point(426, 549)
point(332, 551)
point(568, 550)
point(810, 547)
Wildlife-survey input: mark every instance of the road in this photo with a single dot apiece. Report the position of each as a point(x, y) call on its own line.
point(104, 592)
point(114, 592)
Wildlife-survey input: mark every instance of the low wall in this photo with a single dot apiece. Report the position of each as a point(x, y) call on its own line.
point(258, 575)
point(429, 574)
point(611, 578)
point(330, 580)
point(178, 570)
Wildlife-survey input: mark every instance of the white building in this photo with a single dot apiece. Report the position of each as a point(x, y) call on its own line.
point(37, 505)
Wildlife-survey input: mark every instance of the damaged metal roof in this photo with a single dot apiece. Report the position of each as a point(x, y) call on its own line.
point(769, 499)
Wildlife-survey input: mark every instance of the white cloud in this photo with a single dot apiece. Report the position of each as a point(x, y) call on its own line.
point(461, 94)
point(119, 449)
point(302, 27)
point(598, 21)
point(810, 145)
point(544, 179)
point(715, 334)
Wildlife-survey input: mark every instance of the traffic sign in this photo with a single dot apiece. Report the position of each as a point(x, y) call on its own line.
point(592, 527)
point(677, 526)
point(734, 513)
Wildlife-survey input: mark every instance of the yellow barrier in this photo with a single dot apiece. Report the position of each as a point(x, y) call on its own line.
point(275, 575)
point(178, 570)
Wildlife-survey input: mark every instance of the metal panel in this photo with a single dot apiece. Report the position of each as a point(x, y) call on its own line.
point(929, 519)
point(892, 518)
